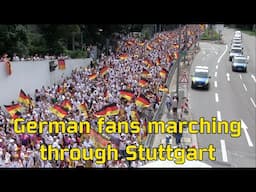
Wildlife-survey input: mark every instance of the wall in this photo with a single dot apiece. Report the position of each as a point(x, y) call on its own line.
point(30, 75)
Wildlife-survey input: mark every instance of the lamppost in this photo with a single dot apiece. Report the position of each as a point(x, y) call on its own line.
point(178, 65)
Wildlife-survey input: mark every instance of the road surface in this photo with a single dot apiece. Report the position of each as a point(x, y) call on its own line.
point(231, 97)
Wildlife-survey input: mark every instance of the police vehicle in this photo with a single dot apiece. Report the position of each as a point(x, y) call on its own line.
point(201, 77)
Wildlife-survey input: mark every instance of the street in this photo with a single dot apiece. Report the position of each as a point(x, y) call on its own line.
point(231, 96)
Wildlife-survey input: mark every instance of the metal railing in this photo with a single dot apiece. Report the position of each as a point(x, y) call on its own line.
point(150, 138)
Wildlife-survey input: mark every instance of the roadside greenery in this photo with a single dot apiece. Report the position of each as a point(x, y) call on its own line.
point(210, 34)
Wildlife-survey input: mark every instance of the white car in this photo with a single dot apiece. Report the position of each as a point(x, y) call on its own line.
point(236, 41)
point(240, 63)
point(236, 45)
point(238, 51)
point(238, 33)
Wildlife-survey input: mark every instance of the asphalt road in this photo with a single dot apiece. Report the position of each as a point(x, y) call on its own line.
point(231, 97)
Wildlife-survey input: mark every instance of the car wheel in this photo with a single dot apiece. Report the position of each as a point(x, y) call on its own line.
point(245, 70)
point(192, 86)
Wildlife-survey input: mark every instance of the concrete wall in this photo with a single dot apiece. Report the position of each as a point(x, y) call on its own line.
point(30, 75)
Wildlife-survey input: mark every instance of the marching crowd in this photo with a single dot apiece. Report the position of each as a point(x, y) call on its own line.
point(96, 87)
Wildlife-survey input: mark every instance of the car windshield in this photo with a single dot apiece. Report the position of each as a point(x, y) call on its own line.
point(236, 51)
point(239, 60)
point(201, 74)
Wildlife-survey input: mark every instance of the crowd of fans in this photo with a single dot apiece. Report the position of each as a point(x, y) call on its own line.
point(125, 69)
point(36, 57)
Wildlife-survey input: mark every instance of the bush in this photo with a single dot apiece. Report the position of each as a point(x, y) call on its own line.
point(210, 34)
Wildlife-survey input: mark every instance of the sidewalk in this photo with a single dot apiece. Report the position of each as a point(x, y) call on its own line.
point(187, 139)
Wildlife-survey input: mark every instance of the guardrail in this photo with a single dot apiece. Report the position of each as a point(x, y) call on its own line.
point(150, 138)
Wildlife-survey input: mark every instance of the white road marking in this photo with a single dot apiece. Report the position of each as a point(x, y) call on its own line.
point(218, 116)
point(244, 127)
point(215, 84)
point(240, 76)
point(222, 54)
point(228, 76)
point(217, 66)
point(216, 52)
point(245, 88)
point(216, 97)
point(215, 74)
point(224, 151)
point(253, 102)
point(253, 77)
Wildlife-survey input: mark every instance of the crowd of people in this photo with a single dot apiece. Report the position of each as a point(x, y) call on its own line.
point(36, 57)
point(140, 68)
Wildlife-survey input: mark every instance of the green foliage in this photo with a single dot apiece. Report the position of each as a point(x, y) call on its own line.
point(42, 39)
point(76, 54)
point(210, 34)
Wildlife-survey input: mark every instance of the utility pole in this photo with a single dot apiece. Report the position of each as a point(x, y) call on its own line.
point(186, 41)
point(178, 66)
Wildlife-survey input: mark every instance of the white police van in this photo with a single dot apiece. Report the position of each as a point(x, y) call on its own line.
point(200, 78)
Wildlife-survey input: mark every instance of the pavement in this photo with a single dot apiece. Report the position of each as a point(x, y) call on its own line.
point(187, 139)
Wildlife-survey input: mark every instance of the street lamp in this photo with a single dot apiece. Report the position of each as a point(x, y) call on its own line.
point(178, 68)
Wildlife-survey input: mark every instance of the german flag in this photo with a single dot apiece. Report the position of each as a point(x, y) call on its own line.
point(163, 73)
point(123, 56)
point(141, 44)
point(66, 104)
point(130, 42)
point(143, 82)
point(100, 141)
point(59, 111)
point(149, 47)
point(60, 89)
point(61, 64)
point(158, 40)
point(112, 109)
point(126, 94)
point(103, 71)
point(142, 101)
point(158, 61)
point(8, 66)
point(148, 62)
point(175, 45)
point(168, 58)
point(83, 108)
point(92, 76)
point(108, 110)
point(106, 95)
point(13, 110)
point(163, 89)
point(176, 55)
point(145, 73)
point(23, 98)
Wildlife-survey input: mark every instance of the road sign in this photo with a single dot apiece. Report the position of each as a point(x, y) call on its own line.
point(184, 78)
